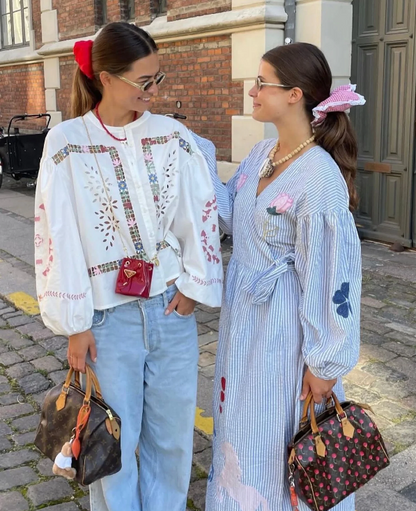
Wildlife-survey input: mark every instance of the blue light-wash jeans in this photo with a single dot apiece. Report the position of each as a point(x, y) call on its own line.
point(147, 369)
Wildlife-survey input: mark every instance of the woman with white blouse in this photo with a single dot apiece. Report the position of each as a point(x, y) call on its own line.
point(126, 244)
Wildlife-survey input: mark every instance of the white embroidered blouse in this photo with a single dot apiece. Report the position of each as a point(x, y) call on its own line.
point(162, 204)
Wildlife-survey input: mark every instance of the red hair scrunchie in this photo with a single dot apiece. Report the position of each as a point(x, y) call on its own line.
point(83, 57)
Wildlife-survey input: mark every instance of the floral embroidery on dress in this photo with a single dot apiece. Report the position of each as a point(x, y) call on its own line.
point(95, 184)
point(50, 260)
point(108, 226)
point(107, 222)
point(38, 240)
point(99, 269)
point(203, 282)
point(222, 392)
point(210, 206)
point(62, 296)
point(166, 196)
point(241, 181)
point(229, 480)
point(147, 144)
point(341, 298)
point(209, 250)
point(211, 473)
point(280, 204)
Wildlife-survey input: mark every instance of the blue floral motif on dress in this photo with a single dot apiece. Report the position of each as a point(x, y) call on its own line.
point(153, 178)
point(122, 186)
point(138, 246)
point(341, 298)
point(211, 474)
point(185, 145)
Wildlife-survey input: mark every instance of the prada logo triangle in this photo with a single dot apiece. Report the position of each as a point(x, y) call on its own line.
point(129, 273)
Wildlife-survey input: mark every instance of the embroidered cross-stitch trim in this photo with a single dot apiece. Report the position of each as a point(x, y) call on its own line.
point(147, 144)
point(62, 296)
point(99, 269)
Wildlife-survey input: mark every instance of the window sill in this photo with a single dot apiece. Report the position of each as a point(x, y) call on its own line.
point(21, 54)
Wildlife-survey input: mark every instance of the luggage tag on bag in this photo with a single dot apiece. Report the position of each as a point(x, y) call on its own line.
point(112, 426)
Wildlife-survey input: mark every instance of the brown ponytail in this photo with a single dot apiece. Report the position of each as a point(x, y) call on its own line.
point(115, 48)
point(85, 94)
point(304, 65)
point(335, 135)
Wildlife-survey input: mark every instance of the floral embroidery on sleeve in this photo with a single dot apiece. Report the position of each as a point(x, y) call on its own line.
point(209, 249)
point(241, 181)
point(341, 298)
point(280, 204)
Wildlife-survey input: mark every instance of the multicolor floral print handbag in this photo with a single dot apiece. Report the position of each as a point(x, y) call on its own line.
point(334, 454)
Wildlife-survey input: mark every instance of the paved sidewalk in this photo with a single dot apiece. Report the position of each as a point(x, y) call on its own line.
point(32, 360)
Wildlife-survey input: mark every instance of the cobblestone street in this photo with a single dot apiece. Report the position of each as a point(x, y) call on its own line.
point(32, 360)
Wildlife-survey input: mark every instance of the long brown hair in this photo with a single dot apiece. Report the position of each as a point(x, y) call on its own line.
point(304, 65)
point(114, 50)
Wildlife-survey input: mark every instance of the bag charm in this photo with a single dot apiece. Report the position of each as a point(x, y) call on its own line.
point(63, 462)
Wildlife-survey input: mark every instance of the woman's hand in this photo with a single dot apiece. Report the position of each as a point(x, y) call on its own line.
point(78, 347)
point(319, 388)
point(183, 305)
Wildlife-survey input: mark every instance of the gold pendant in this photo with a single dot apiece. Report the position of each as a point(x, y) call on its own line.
point(129, 273)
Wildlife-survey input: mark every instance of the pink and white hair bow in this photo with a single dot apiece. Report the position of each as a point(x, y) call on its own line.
point(342, 98)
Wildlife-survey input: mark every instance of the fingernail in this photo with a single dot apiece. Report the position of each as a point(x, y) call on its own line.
point(94, 360)
point(166, 312)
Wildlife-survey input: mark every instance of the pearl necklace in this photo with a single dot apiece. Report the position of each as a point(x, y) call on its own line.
point(106, 130)
point(268, 166)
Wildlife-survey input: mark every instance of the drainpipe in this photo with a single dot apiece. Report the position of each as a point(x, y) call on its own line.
point(290, 25)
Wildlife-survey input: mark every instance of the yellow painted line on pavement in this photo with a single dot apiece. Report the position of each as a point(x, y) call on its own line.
point(24, 302)
point(204, 424)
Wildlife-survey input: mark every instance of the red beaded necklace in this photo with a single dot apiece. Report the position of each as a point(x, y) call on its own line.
point(106, 130)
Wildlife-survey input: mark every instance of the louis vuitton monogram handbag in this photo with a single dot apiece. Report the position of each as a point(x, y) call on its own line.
point(70, 414)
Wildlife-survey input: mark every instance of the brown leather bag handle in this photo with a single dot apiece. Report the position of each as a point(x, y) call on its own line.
point(305, 417)
point(91, 382)
point(95, 382)
point(307, 403)
point(347, 427)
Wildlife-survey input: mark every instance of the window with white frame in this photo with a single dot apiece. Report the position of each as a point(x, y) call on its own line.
point(14, 23)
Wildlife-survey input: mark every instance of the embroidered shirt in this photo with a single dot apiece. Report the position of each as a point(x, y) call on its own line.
point(155, 198)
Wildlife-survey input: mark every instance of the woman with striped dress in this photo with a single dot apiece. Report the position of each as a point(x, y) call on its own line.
point(291, 305)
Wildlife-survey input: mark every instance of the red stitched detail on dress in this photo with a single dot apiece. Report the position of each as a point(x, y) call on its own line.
point(210, 206)
point(50, 260)
point(209, 250)
point(38, 240)
point(62, 296)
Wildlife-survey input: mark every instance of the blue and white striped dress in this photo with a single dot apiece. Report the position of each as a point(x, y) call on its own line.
point(292, 298)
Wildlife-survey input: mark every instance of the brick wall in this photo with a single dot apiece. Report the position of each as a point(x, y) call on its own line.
point(77, 18)
point(37, 23)
point(199, 75)
point(144, 11)
point(22, 91)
